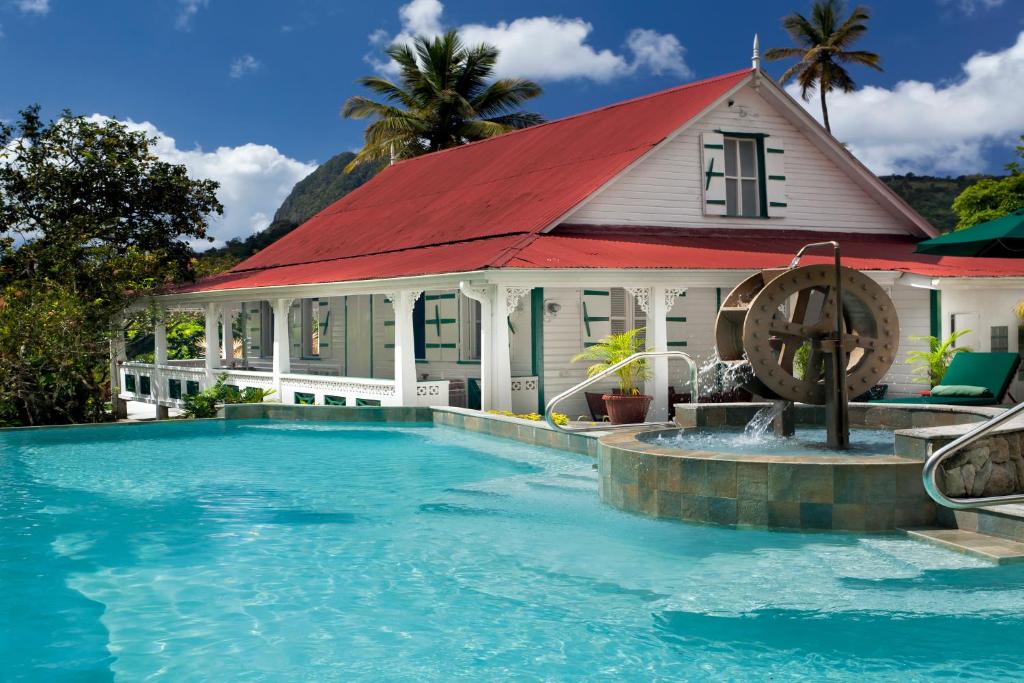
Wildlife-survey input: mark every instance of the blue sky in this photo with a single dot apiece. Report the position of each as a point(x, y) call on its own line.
point(248, 92)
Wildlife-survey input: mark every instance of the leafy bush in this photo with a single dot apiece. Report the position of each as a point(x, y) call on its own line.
point(204, 404)
point(559, 418)
point(616, 348)
point(931, 365)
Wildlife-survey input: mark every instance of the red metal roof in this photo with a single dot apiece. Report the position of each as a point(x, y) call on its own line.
point(603, 248)
point(517, 183)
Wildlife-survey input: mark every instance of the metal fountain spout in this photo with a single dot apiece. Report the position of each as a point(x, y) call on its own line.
point(837, 322)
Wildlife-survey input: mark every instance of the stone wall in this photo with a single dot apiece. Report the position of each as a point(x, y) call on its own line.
point(993, 466)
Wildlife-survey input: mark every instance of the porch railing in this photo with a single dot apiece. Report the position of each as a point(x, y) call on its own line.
point(151, 383)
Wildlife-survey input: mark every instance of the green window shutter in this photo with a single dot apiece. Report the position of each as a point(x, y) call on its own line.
point(595, 318)
point(713, 172)
point(775, 178)
point(675, 324)
point(441, 326)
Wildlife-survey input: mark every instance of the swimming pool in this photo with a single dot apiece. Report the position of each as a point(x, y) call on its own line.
point(259, 550)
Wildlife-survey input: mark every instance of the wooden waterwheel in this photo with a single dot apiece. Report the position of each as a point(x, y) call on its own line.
point(769, 317)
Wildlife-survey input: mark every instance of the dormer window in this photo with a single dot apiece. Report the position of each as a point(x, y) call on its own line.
point(743, 175)
point(742, 184)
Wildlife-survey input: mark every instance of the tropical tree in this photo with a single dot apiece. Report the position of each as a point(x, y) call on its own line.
point(446, 97)
point(992, 198)
point(823, 49)
point(90, 221)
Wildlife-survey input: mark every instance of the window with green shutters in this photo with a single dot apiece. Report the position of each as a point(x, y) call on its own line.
point(742, 175)
point(595, 315)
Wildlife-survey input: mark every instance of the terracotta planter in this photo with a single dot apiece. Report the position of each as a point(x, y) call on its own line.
point(624, 410)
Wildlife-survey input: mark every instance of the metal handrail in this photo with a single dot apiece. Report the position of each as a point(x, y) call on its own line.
point(931, 466)
point(549, 410)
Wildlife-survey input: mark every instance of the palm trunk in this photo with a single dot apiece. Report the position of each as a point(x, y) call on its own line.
point(824, 109)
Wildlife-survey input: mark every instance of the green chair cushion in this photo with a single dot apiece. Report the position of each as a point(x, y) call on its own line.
point(964, 390)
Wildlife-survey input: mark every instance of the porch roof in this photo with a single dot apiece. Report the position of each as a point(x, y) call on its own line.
point(585, 247)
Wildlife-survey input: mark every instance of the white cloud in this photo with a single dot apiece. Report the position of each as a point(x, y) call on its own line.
point(189, 9)
point(972, 6)
point(254, 179)
point(933, 127)
point(246, 64)
point(34, 6)
point(546, 48)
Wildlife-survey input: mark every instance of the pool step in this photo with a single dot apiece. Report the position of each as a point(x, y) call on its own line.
point(985, 546)
point(1005, 521)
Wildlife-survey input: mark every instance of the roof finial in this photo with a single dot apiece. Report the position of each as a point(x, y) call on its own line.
point(391, 162)
point(755, 60)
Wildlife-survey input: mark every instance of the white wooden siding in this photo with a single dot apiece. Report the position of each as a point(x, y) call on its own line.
point(913, 305)
point(665, 188)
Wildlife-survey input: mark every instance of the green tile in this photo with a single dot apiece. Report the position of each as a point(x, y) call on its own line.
point(721, 479)
point(694, 476)
point(694, 508)
point(784, 514)
point(849, 516)
point(752, 481)
point(670, 474)
point(879, 517)
point(849, 484)
point(815, 516)
point(782, 486)
point(624, 468)
point(752, 512)
point(669, 504)
point(722, 510)
point(880, 485)
point(814, 483)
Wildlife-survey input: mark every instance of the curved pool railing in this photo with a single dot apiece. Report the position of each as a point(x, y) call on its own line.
point(549, 410)
point(931, 466)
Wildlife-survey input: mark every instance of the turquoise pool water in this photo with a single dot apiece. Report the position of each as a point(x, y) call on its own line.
point(330, 552)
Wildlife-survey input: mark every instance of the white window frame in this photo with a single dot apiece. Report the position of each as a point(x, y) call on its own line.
point(738, 178)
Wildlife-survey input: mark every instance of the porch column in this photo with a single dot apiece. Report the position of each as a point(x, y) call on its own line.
point(227, 333)
point(282, 346)
point(481, 294)
point(159, 358)
point(212, 343)
point(403, 302)
point(117, 356)
point(505, 302)
point(657, 307)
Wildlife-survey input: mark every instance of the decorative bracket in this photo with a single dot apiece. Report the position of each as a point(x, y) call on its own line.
point(642, 295)
point(512, 297)
point(670, 296)
point(403, 299)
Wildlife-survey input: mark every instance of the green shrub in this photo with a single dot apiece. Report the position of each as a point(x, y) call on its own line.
point(205, 403)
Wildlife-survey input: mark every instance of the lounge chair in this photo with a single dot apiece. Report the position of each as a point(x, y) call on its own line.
point(991, 371)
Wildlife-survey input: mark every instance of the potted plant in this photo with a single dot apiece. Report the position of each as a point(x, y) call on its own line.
point(626, 405)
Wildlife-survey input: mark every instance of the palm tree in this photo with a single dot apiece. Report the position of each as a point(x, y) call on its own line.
point(823, 49)
point(444, 100)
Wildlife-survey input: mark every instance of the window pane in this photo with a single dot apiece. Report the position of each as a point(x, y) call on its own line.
point(749, 197)
point(731, 205)
point(748, 166)
point(730, 157)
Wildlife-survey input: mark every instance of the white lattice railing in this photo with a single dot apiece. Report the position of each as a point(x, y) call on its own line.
point(524, 394)
point(167, 384)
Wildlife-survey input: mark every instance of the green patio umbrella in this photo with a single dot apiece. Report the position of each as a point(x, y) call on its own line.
point(998, 238)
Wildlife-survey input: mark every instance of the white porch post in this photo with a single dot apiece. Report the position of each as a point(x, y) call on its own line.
point(405, 346)
point(657, 340)
point(212, 342)
point(227, 333)
point(159, 358)
point(282, 346)
point(505, 302)
point(482, 295)
point(656, 302)
point(117, 356)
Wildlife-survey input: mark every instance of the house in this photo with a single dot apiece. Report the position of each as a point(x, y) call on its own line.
point(472, 275)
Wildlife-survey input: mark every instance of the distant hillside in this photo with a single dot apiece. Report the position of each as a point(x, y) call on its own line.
point(321, 188)
point(932, 197)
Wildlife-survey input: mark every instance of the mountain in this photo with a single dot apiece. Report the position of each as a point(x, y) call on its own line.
point(931, 196)
point(321, 188)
